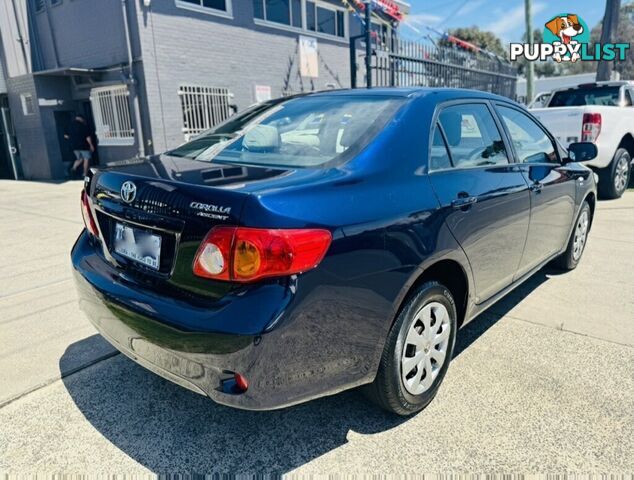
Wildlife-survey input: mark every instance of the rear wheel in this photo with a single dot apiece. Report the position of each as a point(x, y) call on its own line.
point(616, 176)
point(577, 242)
point(417, 351)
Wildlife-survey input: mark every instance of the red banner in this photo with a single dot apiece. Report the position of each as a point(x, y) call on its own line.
point(387, 7)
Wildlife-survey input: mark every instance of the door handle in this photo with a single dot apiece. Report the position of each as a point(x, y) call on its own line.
point(463, 201)
point(536, 187)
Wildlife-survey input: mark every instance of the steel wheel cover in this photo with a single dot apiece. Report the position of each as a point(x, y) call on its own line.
point(425, 348)
point(581, 235)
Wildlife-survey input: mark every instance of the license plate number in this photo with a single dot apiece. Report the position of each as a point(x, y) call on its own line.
point(138, 245)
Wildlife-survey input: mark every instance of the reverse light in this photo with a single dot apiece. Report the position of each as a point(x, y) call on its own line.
point(89, 221)
point(246, 254)
point(591, 127)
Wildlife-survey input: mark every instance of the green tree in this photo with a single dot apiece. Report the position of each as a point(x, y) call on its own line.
point(480, 38)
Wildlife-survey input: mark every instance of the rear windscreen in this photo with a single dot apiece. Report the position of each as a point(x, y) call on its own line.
point(608, 96)
point(301, 132)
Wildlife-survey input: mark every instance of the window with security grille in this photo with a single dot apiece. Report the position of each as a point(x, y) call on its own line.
point(111, 111)
point(203, 108)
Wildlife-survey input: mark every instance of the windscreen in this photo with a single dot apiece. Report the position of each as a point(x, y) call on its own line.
point(301, 132)
point(608, 96)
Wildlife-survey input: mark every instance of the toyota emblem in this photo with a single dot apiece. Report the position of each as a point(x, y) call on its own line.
point(128, 191)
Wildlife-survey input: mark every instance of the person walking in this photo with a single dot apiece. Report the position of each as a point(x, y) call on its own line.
point(80, 136)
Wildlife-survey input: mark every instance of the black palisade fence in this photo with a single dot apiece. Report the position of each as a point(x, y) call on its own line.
point(397, 62)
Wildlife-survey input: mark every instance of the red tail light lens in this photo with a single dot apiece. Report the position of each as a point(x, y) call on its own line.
point(247, 254)
point(89, 221)
point(591, 127)
point(242, 384)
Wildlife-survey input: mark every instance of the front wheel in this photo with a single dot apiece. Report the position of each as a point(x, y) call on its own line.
point(615, 178)
point(577, 242)
point(417, 351)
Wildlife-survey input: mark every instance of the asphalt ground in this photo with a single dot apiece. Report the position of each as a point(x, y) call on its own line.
point(542, 382)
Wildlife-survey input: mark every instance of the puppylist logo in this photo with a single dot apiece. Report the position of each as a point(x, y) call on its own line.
point(567, 39)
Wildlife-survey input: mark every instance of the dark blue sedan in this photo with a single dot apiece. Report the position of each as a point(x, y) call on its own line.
point(314, 244)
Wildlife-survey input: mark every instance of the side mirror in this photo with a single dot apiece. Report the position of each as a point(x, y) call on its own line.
point(581, 152)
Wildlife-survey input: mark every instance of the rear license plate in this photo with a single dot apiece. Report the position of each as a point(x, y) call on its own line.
point(138, 245)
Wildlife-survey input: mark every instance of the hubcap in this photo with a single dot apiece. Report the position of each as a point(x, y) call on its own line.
point(425, 348)
point(621, 173)
point(581, 235)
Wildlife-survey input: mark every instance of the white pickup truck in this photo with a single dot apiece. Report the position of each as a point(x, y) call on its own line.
point(601, 113)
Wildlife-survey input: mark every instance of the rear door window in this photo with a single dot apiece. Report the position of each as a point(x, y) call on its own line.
point(472, 136)
point(439, 158)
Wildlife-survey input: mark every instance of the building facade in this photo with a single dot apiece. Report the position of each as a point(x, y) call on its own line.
point(148, 74)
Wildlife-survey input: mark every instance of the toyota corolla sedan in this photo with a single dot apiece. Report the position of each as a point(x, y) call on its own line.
point(314, 244)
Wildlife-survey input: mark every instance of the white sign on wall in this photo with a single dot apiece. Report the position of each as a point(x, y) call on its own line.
point(308, 57)
point(262, 93)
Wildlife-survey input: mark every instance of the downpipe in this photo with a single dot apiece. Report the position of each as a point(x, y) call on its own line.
point(133, 83)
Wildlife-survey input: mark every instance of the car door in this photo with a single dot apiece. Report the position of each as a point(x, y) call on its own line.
point(551, 184)
point(483, 194)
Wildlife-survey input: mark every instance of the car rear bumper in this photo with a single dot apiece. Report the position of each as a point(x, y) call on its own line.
point(282, 365)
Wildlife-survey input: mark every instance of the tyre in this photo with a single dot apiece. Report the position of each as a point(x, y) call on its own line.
point(577, 242)
point(417, 351)
point(615, 178)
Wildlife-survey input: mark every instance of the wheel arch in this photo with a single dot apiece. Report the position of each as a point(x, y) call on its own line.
point(453, 275)
point(591, 198)
point(627, 142)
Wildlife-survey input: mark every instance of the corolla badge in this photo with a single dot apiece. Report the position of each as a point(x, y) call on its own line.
point(128, 191)
point(208, 210)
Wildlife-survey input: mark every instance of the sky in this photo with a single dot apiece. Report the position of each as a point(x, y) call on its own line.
point(505, 18)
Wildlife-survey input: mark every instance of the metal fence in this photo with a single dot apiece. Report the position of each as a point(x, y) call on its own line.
point(404, 63)
point(111, 111)
point(203, 107)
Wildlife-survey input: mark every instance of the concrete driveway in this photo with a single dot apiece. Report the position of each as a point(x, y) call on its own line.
point(543, 382)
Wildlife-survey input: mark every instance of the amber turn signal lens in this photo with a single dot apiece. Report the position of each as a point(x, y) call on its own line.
point(246, 259)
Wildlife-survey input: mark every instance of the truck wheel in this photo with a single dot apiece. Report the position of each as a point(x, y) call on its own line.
point(577, 242)
point(417, 351)
point(615, 178)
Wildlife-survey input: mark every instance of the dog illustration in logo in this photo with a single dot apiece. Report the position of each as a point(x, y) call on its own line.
point(566, 28)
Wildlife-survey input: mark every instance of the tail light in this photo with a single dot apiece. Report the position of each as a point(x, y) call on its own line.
point(591, 127)
point(246, 254)
point(89, 221)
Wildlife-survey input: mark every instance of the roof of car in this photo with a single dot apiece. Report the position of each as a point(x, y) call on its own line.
point(412, 92)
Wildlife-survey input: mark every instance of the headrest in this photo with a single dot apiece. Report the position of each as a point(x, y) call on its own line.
point(351, 133)
point(452, 125)
point(261, 138)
